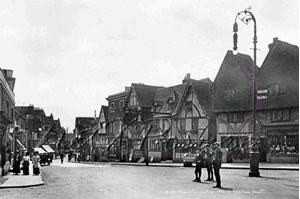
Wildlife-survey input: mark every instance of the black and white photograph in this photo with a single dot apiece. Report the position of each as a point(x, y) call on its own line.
point(149, 99)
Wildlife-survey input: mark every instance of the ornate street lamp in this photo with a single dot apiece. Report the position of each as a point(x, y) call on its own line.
point(246, 16)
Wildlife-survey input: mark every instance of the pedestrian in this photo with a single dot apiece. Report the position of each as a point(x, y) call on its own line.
point(217, 162)
point(16, 164)
point(36, 163)
point(51, 157)
point(75, 156)
point(25, 163)
point(209, 158)
point(62, 155)
point(199, 160)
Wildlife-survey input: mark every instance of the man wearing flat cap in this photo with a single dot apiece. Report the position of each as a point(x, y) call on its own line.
point(217, 162)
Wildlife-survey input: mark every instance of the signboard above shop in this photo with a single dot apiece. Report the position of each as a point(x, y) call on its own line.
point(262, 94)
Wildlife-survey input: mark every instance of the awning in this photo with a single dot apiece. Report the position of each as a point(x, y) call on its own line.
point(48, 148)
point(40, 150)
point(23, 147)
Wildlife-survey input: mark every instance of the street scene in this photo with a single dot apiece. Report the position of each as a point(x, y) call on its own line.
point(105, 180)
point(149, 99)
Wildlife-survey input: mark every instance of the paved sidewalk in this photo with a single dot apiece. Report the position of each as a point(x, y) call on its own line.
point(18, 181)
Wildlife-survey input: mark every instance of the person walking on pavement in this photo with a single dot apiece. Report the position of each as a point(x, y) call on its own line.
point(209, 158)
point(25, 161)
point(217, 162)
point(62, 155)
point(199, 160)
point(16, 164)
point(36, 163)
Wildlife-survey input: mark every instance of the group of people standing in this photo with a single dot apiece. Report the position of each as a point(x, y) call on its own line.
point(24, 162)
point(212, 159)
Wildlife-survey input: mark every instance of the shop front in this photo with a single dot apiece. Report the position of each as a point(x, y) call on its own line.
point(5, 149)
point(283, 144)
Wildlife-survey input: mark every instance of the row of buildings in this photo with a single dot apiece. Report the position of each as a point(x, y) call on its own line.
point(185, 116)
point(22, 128)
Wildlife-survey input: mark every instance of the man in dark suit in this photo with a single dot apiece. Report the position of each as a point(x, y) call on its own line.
point(217, 162)
point(199, 160)
point(209, 162)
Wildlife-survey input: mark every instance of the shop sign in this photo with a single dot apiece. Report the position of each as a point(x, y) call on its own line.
point(262, 91)
point(262, 97)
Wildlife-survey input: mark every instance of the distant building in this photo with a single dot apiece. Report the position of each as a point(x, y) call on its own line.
point(7, 117)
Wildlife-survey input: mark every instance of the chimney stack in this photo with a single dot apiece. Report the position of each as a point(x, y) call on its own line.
point(275, 39)
point(127, 88)
point(186, 78)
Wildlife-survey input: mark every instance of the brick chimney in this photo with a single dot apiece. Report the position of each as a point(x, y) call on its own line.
point(186, 78)
point(127, 88)
point(275, 39)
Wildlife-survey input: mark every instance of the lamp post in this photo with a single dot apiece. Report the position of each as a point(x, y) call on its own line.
point(246, 16)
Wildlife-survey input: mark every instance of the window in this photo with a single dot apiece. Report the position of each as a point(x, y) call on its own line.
point(166, 124)
point(280, 115)
point(7, 107)
point(277, 89)
point(235, 117)
point(287, 142)
point(188, 106)
point(154, 145)
point(182, 124)
point(121, 104)
point(112, 107)
point(195, 122)
point(12, 113)
point(29, 117)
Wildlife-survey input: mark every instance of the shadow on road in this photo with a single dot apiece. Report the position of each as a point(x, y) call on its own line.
point(226, 189)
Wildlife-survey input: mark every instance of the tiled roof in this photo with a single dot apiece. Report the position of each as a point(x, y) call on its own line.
point(202, 89)
point(163, 95)
point(281, 66)
point(232, 86)
point(145, 94)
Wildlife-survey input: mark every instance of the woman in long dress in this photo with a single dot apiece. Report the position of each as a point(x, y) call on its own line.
point(16, 164)
point(26, 160)
point(36, 163)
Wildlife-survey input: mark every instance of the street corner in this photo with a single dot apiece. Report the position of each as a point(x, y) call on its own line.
point(20, 181)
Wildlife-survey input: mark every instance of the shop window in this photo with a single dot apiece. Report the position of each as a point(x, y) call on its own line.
point(283, 142)
point(280, 115)
point(154, 145)
point(235, 117)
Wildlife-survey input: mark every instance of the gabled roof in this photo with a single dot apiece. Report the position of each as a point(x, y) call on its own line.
point(163, 95)
point(202, 89)
point(103, 109)
point(232, 86)
point(280, 67)
point(145, 94)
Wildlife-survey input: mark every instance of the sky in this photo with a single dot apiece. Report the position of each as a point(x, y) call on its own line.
point(69, 56)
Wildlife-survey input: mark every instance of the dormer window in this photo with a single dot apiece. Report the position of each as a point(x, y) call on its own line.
point(171, 99)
